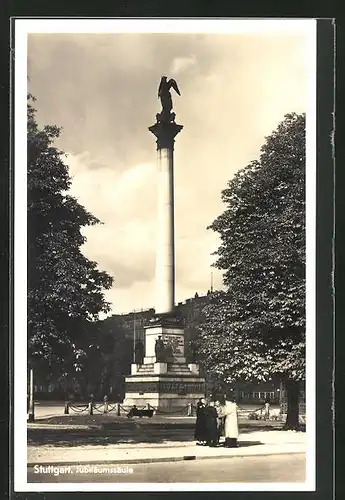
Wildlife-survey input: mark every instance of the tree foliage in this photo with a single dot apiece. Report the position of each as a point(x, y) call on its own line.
point(65, 289)
point(255, 329)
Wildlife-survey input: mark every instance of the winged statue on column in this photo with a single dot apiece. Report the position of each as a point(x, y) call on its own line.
point(165, 97)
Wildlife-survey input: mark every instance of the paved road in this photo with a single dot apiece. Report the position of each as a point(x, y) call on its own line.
point(273, 468)
point(46, 410)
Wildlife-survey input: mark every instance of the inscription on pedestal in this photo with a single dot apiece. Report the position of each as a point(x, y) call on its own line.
point(175, 343)
point(166, 387)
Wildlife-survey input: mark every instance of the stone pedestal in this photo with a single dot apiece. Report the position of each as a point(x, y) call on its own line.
point(167, 386)
point(166, 393)
point(173, 337)
point(160, 368)
point(194, 368)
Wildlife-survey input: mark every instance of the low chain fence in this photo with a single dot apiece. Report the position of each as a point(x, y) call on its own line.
point(260, 413)
point(101, 408)
point(90, 408)
point(75, 408)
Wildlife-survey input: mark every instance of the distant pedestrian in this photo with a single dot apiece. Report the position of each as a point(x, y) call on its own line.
point(200, 424)
point(267, 409)
point(231, 422)
point(211, 425)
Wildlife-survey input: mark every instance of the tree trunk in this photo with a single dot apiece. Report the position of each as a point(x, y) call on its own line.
point(292, 420)
point(84, 388)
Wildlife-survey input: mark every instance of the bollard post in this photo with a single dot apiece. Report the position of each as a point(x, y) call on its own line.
point(66, 412)
point(118, 409)
point(190, 410)
point(90, 408)
point(105, 404)
point(148, 406)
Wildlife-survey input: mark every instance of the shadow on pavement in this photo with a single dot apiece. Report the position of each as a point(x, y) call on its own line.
point(66, 438)
point(243, 444)
point(107, 431)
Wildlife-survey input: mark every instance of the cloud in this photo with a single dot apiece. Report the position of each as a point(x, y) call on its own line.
point(181, 64)
point(102, 89)
point(124, 202)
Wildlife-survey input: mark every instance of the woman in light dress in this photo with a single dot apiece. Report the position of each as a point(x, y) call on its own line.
point(220, 419)
point(231, 422)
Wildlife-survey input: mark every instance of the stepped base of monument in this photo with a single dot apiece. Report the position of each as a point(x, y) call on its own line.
point(163, 405)
point(166, 392)
point(170, 384)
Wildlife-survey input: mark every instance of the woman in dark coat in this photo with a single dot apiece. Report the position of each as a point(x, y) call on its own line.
point(211, 425)
point(200, 424)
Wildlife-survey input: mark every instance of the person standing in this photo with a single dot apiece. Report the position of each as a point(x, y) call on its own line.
point(211, 424)
point(267, 408)
point(200, 424)
point(231, 422)
point(220, 419)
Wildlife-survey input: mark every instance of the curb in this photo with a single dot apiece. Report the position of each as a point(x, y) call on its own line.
point(128, 426)
point(161, 459)
point(109, 427)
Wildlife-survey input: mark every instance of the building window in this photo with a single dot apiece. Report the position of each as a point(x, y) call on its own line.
point(256, 395)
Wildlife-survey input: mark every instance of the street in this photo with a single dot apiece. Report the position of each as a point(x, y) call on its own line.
point(268, 469)
point(46, 409)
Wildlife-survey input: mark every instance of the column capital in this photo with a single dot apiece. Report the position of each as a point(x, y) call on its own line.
point(165, 133)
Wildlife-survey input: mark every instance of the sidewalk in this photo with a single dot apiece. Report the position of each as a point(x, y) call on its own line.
point(253, 444)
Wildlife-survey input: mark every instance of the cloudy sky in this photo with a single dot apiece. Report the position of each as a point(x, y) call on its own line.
point(102, 89)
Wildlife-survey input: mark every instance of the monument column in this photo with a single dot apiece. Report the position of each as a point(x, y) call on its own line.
point(165, 250)
point(164, 379)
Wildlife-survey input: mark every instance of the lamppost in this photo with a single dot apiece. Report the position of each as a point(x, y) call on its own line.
point(31, 416)
point(134, 334)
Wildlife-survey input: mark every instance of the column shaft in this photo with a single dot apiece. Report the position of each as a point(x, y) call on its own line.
point(165, 260)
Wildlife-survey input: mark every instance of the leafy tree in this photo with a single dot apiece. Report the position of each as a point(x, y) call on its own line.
point(65, 289)
point(107, 360)
point(255, 329)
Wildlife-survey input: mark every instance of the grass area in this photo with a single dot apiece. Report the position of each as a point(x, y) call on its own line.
point(106, 429)
point(111, 429)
